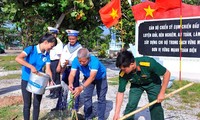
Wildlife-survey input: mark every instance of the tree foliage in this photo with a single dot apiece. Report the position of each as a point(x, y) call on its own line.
point(31, 18)
point(192, 2)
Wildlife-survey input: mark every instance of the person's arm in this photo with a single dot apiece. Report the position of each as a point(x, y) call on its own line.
point(62, 67)
point(63, 57)
point(87, 82)
point(20, 60)
point(90, 78)
point(119, 100)
point(71, 79)
point(48, 70)
point(58, 68)
point(161, 95)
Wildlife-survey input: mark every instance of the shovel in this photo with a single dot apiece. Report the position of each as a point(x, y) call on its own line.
point(155, 101)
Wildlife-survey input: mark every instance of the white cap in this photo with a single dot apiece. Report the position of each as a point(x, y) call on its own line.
point(53, 30)
point(72, 32)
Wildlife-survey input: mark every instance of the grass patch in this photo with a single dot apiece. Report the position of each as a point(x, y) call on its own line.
point(10, 76)
point(9, 63)
point(113, 81)
point(182, 107)
point(198, 115)
point(11, 113)
point(189, 95)
point(170, 107)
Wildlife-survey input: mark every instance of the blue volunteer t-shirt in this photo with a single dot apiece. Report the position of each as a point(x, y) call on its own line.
point(93, 65)
point(36, 58)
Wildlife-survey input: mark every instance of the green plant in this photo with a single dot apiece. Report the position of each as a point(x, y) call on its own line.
point(102, 51)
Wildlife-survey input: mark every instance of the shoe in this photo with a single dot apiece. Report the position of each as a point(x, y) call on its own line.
point(50, 95)
point(54, 109)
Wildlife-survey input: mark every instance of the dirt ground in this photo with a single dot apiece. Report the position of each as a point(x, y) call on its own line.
point(10, 100)
point(10, 94)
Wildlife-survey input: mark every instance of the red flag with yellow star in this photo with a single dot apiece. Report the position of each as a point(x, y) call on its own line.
point(111, 13)
point(168, 4)
point(144, 10)
point(149, 10)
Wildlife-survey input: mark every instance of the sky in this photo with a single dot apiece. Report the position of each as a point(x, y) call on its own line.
point(106, 30)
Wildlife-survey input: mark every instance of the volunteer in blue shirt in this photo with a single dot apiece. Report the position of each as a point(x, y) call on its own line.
point(94, 75)
point(33, 59)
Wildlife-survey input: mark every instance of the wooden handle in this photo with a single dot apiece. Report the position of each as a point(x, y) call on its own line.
point(155, 101)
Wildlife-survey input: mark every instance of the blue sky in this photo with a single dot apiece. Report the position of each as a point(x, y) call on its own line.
point(106, 30)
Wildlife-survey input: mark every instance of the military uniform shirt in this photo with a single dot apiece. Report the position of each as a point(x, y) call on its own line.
point(148, 70)
point(67, 55)
point(56, 51)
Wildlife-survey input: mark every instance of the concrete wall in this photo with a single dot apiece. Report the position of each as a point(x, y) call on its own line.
point(188, 67)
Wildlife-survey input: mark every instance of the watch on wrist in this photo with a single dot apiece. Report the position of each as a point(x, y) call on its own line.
point(83, 86)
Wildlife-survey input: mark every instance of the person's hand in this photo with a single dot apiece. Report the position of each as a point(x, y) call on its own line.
point(66, 62)
point(58, 69)
point(71, 87)
point(116, 117)
point(62, 70)
point(50, 83)
point(77, 91)
point(33, 69)
point(160, 97)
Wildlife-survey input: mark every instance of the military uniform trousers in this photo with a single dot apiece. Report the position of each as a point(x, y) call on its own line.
point(152, 91)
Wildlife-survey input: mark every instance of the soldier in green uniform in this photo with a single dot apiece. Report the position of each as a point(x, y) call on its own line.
point(143, 73)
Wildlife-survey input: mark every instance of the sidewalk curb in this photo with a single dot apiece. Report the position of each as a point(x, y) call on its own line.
point(4, 73)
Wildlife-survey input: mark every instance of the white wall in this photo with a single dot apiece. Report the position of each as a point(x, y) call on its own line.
point(189, 67)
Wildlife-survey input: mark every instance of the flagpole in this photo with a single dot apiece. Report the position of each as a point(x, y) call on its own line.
point(181, 31)
point(122, 34)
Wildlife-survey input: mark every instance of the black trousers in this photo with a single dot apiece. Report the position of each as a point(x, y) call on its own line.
point(55, 76)
point(27, 98)
point(76, 83)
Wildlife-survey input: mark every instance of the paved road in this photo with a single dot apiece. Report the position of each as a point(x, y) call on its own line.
point(11, 52)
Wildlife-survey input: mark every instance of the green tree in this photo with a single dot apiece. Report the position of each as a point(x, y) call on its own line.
point(192, 2)
point(32, 17)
